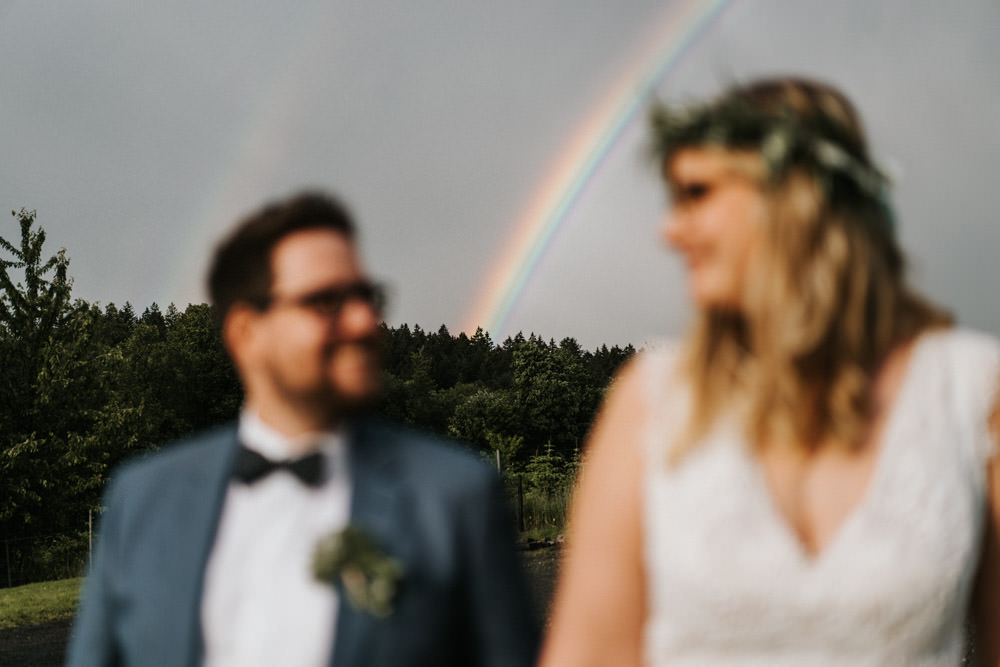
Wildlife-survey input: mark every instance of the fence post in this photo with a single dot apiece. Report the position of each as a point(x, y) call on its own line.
point(6, 549)
point(520, 501)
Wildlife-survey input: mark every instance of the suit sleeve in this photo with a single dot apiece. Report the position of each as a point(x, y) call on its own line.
point(92, 641)
point(503, 619)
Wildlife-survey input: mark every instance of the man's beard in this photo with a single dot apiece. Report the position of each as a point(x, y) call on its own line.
point(328, 401)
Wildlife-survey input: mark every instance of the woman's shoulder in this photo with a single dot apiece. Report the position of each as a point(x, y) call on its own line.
point(660, 348)
point(649, 394)
point(969, 358)
point(964, 342)
point(656, 364)
point(959, 376)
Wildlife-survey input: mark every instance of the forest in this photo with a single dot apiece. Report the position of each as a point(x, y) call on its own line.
point(86, 385)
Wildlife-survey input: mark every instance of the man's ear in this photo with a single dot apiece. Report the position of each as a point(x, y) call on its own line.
point(239, 331)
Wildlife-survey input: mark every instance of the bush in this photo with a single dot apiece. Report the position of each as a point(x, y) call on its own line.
point(44, 558)
point(541, 493)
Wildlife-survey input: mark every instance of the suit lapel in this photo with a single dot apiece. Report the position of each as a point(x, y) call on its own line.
point(199, 508)
point(376, 508)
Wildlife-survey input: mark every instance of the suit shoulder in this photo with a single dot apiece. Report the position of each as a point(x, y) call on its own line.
point(422, 452)
point(175, 456)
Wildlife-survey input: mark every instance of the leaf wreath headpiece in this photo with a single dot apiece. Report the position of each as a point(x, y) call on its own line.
point(781, 138)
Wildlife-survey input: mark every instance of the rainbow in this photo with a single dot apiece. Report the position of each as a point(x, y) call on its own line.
point(578, 164)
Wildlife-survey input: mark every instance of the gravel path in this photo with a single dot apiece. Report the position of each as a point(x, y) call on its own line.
point(41, 645)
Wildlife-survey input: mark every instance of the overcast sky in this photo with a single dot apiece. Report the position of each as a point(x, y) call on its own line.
point(141, 131)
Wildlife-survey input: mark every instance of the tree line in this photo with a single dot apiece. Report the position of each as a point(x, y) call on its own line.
point(84, 386)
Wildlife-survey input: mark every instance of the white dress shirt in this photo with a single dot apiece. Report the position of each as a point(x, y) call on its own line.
point(261, 604)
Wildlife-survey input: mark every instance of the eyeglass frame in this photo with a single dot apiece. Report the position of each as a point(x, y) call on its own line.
point(329, 302)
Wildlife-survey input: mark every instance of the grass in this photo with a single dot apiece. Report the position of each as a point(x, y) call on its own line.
point(545, 513)
point(39, 603)
point(54, 600)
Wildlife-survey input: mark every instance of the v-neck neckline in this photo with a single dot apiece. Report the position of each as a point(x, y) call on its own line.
point(884, 445)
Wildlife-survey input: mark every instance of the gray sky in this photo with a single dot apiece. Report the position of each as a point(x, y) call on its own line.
point(141, 131)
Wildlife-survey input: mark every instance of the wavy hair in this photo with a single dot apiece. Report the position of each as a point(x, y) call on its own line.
point(827, 300)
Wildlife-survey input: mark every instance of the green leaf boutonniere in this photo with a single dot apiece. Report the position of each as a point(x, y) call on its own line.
point(368, 576)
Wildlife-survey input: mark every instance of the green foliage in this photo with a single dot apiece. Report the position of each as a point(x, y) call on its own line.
point(507, 445)
point(486, 418)
point(37, 355)
point(476, 391)
point(84, 386)
point(541, 492)
point(30, 310)
point(545, 511)
point(520, 397)
point(546, 473)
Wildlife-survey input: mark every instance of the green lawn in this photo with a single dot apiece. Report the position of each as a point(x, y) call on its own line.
point(38, 603)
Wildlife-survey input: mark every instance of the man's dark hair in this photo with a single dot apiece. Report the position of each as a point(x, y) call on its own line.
point(241, 267)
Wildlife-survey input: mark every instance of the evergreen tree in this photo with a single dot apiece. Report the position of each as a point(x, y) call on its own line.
point(44, 350)
point(83, 387)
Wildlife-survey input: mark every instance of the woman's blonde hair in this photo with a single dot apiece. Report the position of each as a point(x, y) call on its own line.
point(827, 300)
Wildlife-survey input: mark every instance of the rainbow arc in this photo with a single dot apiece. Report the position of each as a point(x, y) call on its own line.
point(580, 162)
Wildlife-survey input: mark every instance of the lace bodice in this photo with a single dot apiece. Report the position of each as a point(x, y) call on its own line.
point(728, 581)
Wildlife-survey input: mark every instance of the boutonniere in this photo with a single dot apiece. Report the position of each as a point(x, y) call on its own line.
point(368, 576)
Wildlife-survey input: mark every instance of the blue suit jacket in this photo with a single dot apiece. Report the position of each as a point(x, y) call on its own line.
point(436, 509)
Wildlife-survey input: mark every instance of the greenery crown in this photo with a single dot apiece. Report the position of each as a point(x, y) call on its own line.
point(781, 138)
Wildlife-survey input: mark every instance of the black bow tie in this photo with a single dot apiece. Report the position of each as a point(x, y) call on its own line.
point(251, 466)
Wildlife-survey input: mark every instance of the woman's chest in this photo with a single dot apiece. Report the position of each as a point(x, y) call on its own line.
point(900, 558)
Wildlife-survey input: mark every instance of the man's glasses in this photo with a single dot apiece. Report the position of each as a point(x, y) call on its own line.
point(329, 302)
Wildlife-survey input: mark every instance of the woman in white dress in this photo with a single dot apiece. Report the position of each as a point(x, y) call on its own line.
point(808, 478)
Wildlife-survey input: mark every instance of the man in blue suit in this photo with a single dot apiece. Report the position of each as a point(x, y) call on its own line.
point(304, 534)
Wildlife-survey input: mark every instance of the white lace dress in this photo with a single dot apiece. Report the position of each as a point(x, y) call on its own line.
point(729, 583)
